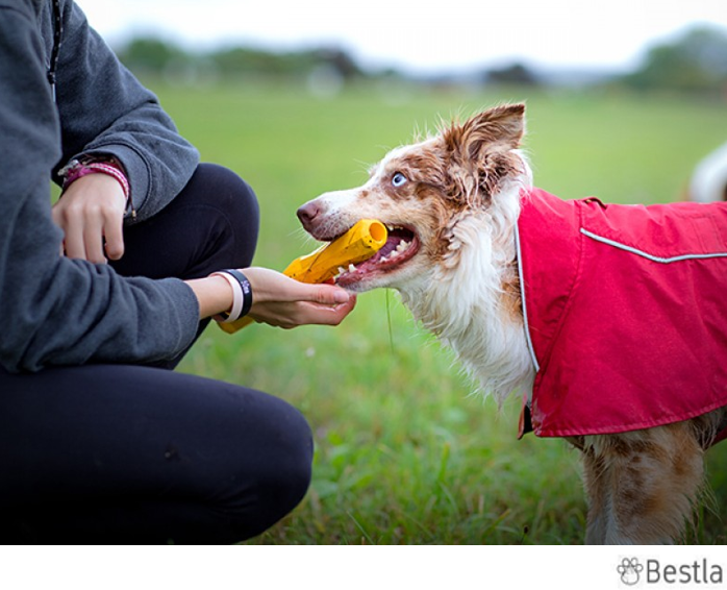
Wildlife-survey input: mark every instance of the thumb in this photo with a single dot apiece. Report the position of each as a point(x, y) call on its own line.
point(330, 295)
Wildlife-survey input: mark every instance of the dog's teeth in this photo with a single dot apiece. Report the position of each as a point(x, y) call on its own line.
point(394, 254)
point(403, 245)
point(341, 270)
point(351, 268)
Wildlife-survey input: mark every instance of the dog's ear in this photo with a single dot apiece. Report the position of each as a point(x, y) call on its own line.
point(501, 126)
point(481, 152)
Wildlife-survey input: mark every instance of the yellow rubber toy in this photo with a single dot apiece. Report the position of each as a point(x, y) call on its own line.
point(359, 243)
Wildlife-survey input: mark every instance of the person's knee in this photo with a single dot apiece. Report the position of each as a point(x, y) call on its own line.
point(233, 194)
point(296, 462)
point(286, 480)
point(283, 475)
point(238, 220)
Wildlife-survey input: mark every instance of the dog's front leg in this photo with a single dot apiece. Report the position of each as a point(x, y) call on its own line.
point(642, 486)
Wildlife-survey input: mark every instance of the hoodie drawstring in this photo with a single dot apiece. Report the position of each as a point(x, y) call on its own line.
point(57, 33)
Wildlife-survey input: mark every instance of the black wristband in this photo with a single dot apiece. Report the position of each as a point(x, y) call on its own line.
point(246, 290)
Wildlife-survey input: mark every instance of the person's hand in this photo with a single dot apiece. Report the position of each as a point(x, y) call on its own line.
point(91, 215)
point(284, 302)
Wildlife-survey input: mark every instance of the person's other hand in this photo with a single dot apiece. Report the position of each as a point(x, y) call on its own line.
point(91, 215)
point(284, 302)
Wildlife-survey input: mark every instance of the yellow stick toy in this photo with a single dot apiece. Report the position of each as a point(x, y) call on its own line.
point(359, 243)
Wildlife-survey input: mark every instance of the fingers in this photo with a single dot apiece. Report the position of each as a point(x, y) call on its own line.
point(321, 294)
point(113, 231)
point(91, 215)
point(85, 231)
point(327, 315)
point(270, 286)
point(289, 315)
point(281, 301)
point(330, 295)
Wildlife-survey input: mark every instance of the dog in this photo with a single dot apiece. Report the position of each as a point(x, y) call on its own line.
point(488, 264)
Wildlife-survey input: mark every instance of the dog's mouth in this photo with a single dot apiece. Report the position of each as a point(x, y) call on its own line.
point(401, 245)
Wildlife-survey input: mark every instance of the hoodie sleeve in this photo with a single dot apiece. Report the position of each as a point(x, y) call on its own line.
point(54, 310)
point(105, 110)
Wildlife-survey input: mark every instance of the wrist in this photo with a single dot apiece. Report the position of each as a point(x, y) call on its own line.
point(79, 168)
point(241, 295)
point(222, 294)
point(214, 295)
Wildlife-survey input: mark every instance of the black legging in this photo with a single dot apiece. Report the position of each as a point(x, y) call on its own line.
point(138, 454)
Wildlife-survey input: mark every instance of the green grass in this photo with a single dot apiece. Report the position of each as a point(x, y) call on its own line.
point(404, 453)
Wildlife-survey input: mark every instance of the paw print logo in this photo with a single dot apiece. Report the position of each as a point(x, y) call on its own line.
point(630, 570)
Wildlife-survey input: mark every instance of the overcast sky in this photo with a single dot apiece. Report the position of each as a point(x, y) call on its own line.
point(423, 36)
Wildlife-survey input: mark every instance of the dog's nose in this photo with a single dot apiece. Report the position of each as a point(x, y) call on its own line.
point(307, 214)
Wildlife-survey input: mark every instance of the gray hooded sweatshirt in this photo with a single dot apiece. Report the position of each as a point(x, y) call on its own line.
point(54, 310)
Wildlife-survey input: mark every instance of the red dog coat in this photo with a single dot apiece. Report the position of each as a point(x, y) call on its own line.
point(626, 312)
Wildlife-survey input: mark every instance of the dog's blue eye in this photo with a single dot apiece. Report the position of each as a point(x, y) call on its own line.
point(398, 179)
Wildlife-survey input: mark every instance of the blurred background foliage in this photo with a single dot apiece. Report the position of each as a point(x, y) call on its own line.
point(694, 62)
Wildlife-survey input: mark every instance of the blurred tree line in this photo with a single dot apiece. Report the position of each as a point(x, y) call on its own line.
point(153, 56)
point(694, 62)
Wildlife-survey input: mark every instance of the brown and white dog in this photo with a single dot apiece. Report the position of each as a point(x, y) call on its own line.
point(453, 203)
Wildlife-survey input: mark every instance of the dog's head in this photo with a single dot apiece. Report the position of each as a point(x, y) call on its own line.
point(427, 194)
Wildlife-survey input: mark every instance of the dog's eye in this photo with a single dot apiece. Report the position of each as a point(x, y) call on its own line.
point(398, 179)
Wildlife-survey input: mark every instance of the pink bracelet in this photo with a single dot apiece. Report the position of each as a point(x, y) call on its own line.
point(76, 170)
point(237, 299)
point(112, 171)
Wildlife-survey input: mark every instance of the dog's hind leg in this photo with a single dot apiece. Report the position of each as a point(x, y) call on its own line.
point(599, 498)
point(642, 486)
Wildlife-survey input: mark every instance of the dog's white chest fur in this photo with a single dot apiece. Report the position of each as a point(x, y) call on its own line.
point(462, 300)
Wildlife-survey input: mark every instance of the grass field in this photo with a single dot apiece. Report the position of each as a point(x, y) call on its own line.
point(404, 453)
